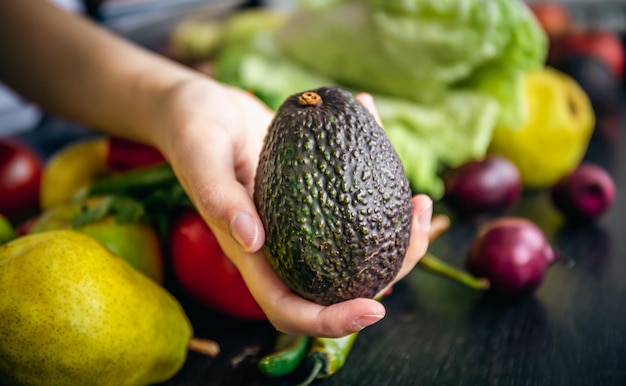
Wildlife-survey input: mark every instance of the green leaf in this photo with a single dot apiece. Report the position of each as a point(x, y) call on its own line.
point(136, 182)
point(125, 209)
point(95, 213)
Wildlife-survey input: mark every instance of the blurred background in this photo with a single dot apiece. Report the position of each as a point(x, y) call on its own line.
point(146, 22)
point(605, 13)
point(150, 23)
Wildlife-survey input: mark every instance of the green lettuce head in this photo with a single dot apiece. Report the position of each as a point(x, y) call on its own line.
point(416, 49)
point(444, 73)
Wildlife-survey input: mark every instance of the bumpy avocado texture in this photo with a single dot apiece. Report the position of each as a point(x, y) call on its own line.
point(333, 197)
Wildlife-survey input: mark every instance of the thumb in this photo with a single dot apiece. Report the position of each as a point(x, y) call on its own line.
point(226, 206)
point(232, 210)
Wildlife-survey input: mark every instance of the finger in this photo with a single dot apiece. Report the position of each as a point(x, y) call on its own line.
point(367, 101)
point(293, 314)
point(353, 315)
point(439, 224)
point(228, 206)
point(337, 320)
point(422, 230)
point(420, 233)
point(223, 202)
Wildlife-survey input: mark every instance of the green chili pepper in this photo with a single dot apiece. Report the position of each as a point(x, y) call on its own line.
point(327, 356)
point(289, 351)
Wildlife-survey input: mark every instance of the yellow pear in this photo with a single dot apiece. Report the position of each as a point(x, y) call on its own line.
point(73, 313)
point(135, 242)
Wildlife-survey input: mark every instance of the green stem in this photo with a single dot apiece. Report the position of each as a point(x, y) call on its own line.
point(329, 354)
point(316, 369)
point(440, 267)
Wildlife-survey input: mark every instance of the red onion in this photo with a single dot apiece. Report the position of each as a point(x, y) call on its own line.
point(513, 254)
point(481, 186)
point(584, 195)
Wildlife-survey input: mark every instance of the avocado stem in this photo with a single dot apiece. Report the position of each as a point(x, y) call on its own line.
point(204, 346)
point(309, 98)
point(438, 266)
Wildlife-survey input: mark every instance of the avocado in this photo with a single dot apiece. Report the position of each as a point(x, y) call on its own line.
point(333, 197)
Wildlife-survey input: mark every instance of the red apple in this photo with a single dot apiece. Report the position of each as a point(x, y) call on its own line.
point(553, 17)
point(20, 179)
point(603, 44)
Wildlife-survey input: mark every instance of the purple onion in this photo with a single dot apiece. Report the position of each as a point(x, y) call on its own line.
point(513, 254)
point(584, 195)
point(486, 185)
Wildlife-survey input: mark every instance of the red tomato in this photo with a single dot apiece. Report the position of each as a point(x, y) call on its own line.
point(20, 177)
point(206, 273)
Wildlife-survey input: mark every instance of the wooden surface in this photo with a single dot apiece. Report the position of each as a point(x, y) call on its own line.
point(436, 332)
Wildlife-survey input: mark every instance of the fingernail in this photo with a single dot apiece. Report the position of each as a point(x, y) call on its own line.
point(425, 216)
point(244, 230)
point(365, 320)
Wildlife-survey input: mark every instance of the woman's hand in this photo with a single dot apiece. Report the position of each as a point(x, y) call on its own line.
point(212, 135)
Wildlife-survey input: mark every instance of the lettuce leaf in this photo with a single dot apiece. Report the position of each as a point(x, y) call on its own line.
point(416, 49)
point(444, 73)
point(504, 85)
point(257, 65)
point(430, 137)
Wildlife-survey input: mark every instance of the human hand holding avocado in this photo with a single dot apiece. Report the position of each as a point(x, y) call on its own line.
point(218, 174)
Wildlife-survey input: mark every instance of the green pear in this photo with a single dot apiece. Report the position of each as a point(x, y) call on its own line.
point(135, 242)
point(74, 313)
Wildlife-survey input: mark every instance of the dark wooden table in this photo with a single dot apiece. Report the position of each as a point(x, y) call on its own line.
point(436, 332)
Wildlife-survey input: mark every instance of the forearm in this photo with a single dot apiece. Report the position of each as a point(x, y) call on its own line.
point(73, 68)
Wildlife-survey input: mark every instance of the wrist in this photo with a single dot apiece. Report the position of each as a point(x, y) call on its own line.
point(178, 109)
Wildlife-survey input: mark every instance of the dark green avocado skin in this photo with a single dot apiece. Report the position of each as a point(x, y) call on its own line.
point(334, 199)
